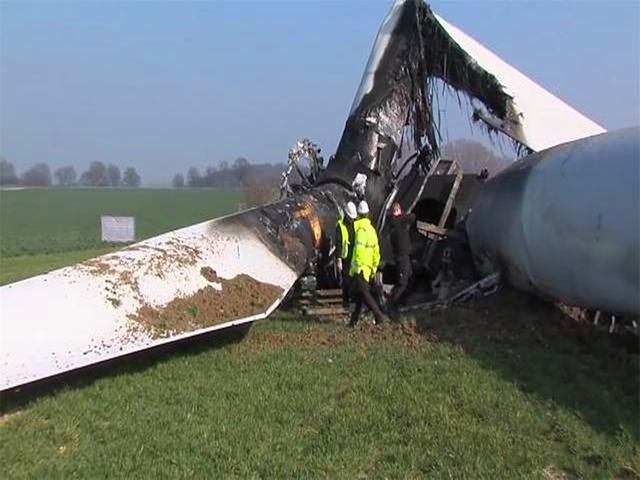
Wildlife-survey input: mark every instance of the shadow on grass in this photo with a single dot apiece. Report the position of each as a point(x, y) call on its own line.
point(545, 353)
point(18, 398)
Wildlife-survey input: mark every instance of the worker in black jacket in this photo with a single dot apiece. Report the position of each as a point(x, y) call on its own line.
point(400, 224)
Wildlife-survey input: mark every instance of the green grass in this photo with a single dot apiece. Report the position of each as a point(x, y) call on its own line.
point(508, 389)
point(53, 220)
point(485, 393)
point(13, 269)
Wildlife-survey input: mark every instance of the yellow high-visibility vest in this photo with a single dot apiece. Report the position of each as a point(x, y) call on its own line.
point(366, 250)
point(344, 233)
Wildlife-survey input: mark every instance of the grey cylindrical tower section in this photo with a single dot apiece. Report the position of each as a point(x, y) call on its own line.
point(565, 223)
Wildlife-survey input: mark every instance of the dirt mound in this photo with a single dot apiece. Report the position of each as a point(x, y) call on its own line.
point(316, 335)
point(240, 297)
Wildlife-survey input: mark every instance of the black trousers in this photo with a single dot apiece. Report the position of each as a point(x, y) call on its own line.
point(346, 282)
point(361, 290)
point(403, 275)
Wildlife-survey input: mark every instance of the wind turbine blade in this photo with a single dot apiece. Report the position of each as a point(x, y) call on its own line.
point(198, 279)
point(546, 120)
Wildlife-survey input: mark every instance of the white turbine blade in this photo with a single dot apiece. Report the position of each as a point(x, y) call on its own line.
point(546, 120)
point(91, 312)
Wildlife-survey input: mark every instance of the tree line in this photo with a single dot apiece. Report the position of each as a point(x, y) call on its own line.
point(472, 156)
point(97, 175)
point(241, 173)
point(238, 174)
point(259, 182)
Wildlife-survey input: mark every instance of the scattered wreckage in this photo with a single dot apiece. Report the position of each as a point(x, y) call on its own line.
point(562, 223)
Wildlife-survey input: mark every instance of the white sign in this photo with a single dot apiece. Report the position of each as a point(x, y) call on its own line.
point(118, 229)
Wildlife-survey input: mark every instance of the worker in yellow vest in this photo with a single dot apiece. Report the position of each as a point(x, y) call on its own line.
point(364, 265)
point(344, 247)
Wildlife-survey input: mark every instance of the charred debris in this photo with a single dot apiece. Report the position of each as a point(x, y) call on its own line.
point(390, 151)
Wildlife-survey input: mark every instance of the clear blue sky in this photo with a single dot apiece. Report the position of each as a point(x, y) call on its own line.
point(163, 86)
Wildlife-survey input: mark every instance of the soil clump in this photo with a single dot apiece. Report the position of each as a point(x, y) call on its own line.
point(240, 297)
point(209, 274)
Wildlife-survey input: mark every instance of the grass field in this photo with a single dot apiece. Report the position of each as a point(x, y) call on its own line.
point(505, 388)
point(62, 226)
point(51, 220)
point(460, 395)
point(13, 269)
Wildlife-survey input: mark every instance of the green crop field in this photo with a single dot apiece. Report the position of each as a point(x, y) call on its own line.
point(62, 225)
point(52, 220)
point(503, 388)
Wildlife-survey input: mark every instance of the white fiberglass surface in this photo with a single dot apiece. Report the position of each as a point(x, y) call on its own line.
point(379, 46)
point(80, 315)
point(547, 121)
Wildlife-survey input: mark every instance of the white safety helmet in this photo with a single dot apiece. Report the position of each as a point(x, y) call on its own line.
point(351, 210)
point(363, 208)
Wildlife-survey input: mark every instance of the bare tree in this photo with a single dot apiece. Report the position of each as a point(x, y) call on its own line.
point(241, 167)
point(178, 181)
point(194, 179)
point(7, 173)
point(38, 175)
point(131, 178)
point(96, 176)
point(113, 173)
point(258, 192)
point(473, 156)
point(66, 176)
